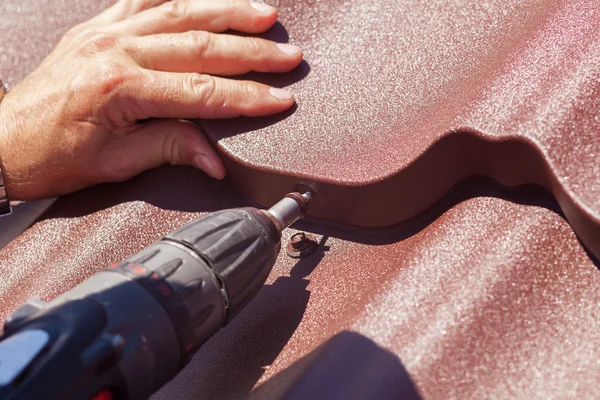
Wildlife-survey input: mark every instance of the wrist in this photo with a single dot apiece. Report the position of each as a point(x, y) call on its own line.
point(5, 208)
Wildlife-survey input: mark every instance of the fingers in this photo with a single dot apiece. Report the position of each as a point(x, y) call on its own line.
point(211, 53)
point(176, 95)
point(206, 15)
point(119, 11)
point(161, 142)
point(131, 7)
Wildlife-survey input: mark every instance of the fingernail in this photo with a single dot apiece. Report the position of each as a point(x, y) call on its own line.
point(262, 7)
point(289, 48)
point(203, 162)
point(281, 94)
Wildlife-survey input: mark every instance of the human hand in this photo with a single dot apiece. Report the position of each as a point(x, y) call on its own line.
point(108, 102)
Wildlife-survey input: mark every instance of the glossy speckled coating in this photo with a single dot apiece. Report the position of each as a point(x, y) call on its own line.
point(495, 297)
point(404, 99)
point(490, 294)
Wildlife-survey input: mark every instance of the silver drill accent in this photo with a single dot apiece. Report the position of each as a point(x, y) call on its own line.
point(290, 209)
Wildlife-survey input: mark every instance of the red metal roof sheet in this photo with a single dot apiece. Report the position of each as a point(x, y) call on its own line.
point(480, 292)
point(404, 99)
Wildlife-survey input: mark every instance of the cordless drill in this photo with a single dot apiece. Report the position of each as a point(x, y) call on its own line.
point(128, 330)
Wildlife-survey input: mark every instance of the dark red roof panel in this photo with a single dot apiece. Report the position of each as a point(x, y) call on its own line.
point(402, 100)
point(489, 293)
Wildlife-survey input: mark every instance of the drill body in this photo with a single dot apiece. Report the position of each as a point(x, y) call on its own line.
point(126, 331)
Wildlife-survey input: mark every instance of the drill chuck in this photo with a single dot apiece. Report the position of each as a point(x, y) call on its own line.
point(290, 209)
point(131, 328)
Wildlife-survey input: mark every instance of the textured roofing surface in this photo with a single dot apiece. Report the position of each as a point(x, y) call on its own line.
point(404, 99)
point(488, 294)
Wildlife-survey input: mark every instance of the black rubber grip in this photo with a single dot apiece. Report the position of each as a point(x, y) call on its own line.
point(240, 246)
point(185, 286)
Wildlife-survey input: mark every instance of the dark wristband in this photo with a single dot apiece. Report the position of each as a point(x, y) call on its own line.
point(5, 208)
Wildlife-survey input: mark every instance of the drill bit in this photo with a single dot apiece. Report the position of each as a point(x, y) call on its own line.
point(290, 209)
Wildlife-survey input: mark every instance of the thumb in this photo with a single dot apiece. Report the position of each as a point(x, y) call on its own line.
point(175, 142)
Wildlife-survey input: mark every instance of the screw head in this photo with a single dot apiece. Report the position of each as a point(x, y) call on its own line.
point(298, 240)
point(301, 245)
